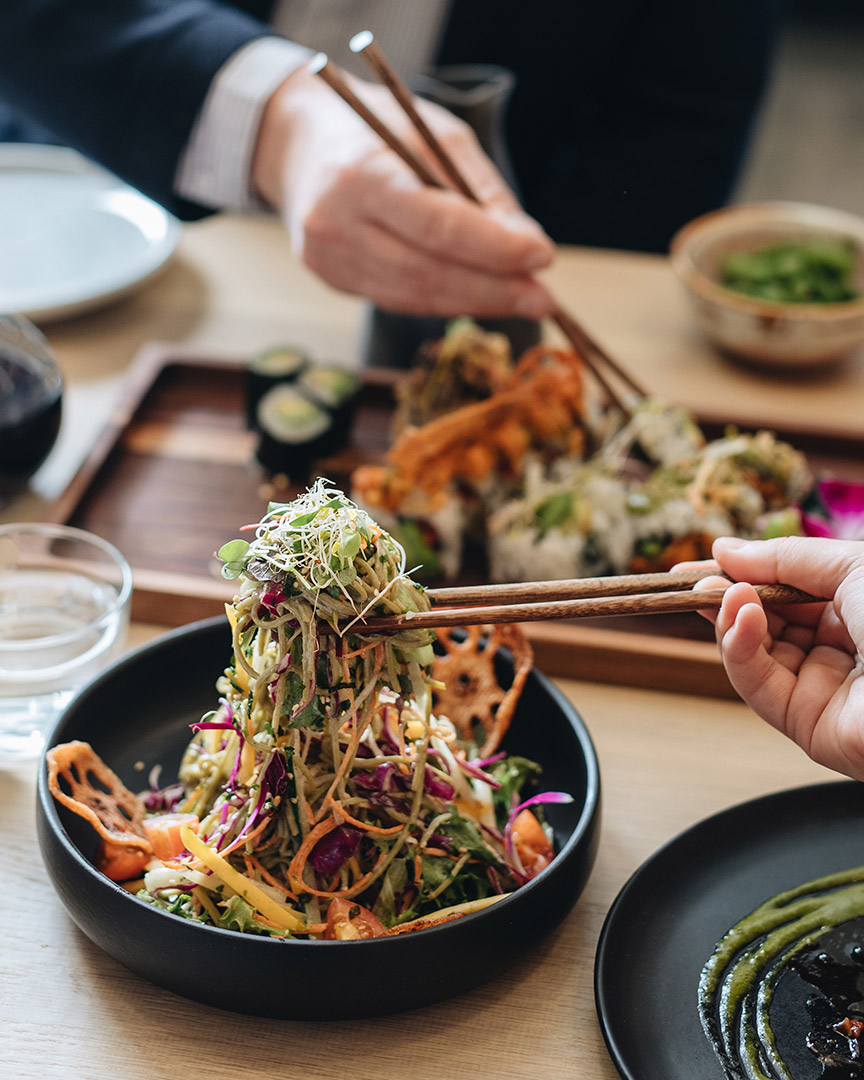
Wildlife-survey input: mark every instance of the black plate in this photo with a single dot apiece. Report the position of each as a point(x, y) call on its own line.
point(137, 715)
point(666, 920)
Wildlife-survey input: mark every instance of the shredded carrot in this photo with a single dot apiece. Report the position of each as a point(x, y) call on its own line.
point(418, 870)
point(265, 921)
point(298, 863)
point(268, 877)
point(358, 652)
point(343, 813)
point(178, 864)
point(245, 839)
point(189, 802)
point(352, 890)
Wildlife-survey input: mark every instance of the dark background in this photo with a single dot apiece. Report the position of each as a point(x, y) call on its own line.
point(809, 141)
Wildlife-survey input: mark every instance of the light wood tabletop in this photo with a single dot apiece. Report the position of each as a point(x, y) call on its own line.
point(667, 760)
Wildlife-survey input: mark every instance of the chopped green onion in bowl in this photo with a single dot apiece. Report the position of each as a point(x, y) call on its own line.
point(815, 273)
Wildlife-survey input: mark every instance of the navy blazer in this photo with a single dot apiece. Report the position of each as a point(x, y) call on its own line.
point(629, 117)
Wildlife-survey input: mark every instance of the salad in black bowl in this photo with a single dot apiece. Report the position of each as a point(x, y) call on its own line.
point(341, 832)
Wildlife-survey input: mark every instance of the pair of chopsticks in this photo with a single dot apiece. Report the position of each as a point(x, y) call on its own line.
point(578, 598)
point(602, 366)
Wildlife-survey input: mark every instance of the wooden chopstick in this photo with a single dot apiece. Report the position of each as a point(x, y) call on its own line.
point(583, 608)
point(567, 588)
point(588, 349)
point(320, 65)
point(364, 43)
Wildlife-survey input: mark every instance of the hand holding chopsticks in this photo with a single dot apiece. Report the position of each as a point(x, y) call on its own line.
point(604, 368)
point(579, 598)
point(360, 223)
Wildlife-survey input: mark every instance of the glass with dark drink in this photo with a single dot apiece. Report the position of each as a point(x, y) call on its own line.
point(31, 388)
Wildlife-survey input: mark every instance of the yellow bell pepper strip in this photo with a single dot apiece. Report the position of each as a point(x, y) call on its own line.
point(277, 913)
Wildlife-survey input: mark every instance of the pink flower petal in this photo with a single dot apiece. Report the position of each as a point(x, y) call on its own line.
point(817, 526)
point(844, 501)
point(842, 498)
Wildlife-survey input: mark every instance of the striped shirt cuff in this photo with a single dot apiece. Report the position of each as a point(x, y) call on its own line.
point(214, 169)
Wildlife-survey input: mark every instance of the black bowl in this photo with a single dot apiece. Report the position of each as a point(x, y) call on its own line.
point(136, 715)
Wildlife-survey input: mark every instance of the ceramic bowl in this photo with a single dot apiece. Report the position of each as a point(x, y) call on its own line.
point(136, 715)
point(768, 333)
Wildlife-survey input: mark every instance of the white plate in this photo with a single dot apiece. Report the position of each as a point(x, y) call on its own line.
point(73, 237)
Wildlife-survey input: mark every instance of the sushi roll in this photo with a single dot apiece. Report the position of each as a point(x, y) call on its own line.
point(294, 432)
point(282, 364)
point(431, 528)
point(334, 389)
point(577, 527)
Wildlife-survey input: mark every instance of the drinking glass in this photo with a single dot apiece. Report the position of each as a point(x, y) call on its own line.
point(64, 614)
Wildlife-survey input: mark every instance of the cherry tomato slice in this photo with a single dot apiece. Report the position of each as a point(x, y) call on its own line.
point(347, 921)
point(163, 832)
point(532, 846)
point(121, 863)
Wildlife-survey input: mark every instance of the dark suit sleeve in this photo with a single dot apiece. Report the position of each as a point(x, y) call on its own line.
point(120, 80)
point(630, 117)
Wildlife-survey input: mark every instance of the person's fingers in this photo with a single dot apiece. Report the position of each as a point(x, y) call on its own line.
point(712, 582)
point(694, 564)
point(792, 683)
point(827, 687)
point(818, 566)
point(461, 143)
point(765, 684)
point(784, 643)
point(833, 631)
point(446, 224)
point(365, 259)
point(800, 638)
point(830, 568)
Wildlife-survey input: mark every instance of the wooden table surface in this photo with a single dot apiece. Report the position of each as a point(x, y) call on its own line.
point(667, 760)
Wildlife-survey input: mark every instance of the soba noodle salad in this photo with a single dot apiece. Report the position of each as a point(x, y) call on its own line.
point(323, 797)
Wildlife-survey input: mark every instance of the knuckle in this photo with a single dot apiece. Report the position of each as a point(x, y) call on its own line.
point(426, 279)
point(320, 228)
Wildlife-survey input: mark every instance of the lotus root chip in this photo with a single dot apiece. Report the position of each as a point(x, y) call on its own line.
point(80, 780)
point(472, 697)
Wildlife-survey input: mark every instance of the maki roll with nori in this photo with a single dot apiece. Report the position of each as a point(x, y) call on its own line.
point(294, 432)
point(282, 364)
point(332, 388)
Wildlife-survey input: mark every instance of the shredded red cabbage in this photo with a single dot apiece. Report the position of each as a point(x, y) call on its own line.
point(334, 849)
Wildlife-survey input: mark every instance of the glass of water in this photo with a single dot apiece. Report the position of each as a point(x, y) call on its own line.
point(64, 613)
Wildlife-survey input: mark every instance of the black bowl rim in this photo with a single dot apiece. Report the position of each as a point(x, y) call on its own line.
point(47, 803)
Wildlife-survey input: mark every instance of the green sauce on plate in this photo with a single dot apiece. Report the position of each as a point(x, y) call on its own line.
point(737, 984)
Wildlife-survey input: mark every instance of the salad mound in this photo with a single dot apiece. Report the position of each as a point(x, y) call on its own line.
point(325, 796)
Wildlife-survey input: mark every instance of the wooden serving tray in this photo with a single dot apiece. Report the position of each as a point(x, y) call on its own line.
point(173, 476)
